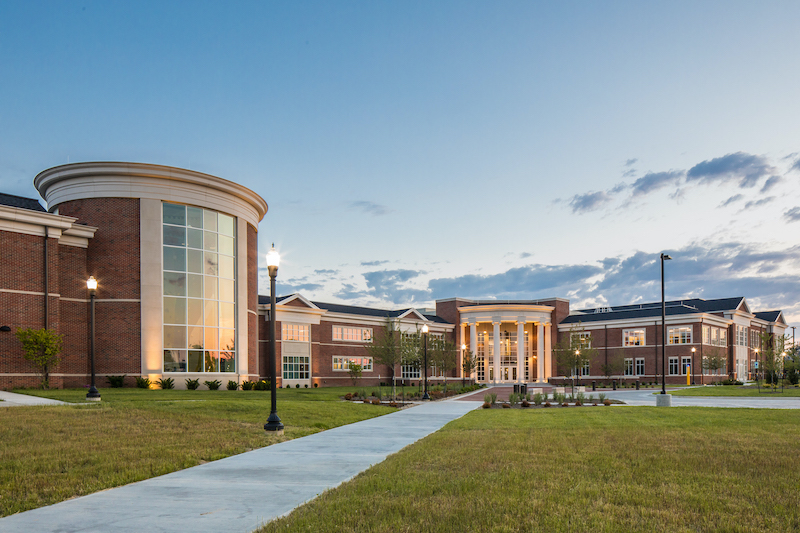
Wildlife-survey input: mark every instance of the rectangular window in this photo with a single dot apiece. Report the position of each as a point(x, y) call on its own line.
point(633, 337)
point(706, 334)
point(640, 366)
point(674, 367)
point(295, 367)
point(585, 369)
point(294, 332)
point(342, 364)
point(582, 339)
point(723, 337)
point(755, 339)
point(344, 333)
point(679, 335)
point(409, 372)
point(628, 367)
point(198, 311)
point(686, 362)
point(741, 336)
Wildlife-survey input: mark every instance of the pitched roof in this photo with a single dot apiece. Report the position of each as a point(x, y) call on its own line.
point(646, 310)
point(20, 201)
point(358, 310)
point(769, 316)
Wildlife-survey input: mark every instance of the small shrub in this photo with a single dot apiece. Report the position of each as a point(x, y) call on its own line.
point(348, 396)
point(506, 406)
point(232, 385)
point(578, 403)
point(606, 402)
point(486, 405)
point(537, 398)
point(306, 385)
point(213, 385)
point(248, 385)
point(362, 393)
point(494, 397)
point(316, 385)
point(376, 401)
point(436, 395)
point(366, 400)
point(192, 384)
point(392, 404)
point(525, 403)
point(594, 403)
point(142, 382)
point(547, 404)
point(297, 386)
point(116, 382)
point(581, 397)
point(487, 398)
point(261, 385)
point(565, 404)
point(513, 399)
point(166, 383)
point(601, 396)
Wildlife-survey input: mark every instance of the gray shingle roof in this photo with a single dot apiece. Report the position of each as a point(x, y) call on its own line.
point(647, 310)
point(20, 201)
point(357, 310)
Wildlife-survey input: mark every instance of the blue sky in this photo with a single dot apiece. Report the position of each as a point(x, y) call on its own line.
point(419, 150)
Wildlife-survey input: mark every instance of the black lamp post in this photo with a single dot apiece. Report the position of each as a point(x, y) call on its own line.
point(273, 422)
point(425, 362)
point(691, 368)
point(758, 381)
point(93, 395)
point(664, 257)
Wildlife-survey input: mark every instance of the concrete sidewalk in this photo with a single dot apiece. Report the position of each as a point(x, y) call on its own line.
point(11, 399)
point(242, 492)
point(646, 397)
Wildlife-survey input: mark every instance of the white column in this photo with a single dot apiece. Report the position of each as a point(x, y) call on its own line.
point(540, 352)
point(548, 369)
point(520, 351)
point(473, 343)
point(461, 341)
point(496, 335)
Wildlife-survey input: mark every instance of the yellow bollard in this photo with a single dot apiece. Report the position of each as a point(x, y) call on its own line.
point(688, 375)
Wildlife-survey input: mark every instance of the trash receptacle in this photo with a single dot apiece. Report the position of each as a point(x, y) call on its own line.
point(614, 385)
point(516, 388)
point(637, 384)
point(523, 389)
point(594, 386)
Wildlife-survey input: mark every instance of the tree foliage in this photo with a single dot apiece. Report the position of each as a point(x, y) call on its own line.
point(355, 372)
point(386, 350)
point(42, 348)
point(469, 363)
point(574, 350)
point(443, 355)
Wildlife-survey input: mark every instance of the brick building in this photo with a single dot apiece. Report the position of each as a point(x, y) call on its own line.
point(175, 256)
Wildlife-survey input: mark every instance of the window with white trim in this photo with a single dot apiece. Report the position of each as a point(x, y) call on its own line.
point(409, 372)
point(582, 339)
point(755, 338)
point(585, 369)
point(295, 367)
point(741, 336)
point(679, 335)
point(294, 332)
point(345, 333)
point(686, 362)
point(633, 337)
point(629, 366)
point(342, 364)
point(674, 367)
point(640, 366)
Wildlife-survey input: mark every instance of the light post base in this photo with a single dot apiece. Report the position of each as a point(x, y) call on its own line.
point(93, 395)
point(274, 424)
point(425, 396)
point(664, 400)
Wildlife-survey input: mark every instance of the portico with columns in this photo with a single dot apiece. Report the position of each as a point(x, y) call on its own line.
point(512, 343)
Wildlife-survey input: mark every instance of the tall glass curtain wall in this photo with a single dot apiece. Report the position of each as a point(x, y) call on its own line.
point(199, 290)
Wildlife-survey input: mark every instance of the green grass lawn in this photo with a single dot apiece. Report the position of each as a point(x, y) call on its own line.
point(738, 390)
point(49, 454)
point(591, 469)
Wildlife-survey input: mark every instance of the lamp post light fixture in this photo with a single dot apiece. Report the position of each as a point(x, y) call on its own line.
point(93, 395)
point(692, 367)
point(425, 361)
point(663, 399)
point(273, 422)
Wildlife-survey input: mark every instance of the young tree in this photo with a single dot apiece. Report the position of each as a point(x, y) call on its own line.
point(442, 354)
point(772, 356)
point(714, 363)
point(42, 348)
point(574, 351)
point(411, 349)
point(355, 371)
point(469, 364)
point(614, 365)
point(385, 350)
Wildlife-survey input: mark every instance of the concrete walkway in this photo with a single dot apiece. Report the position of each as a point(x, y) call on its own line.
point(242, 492)
point(11, 399)
point(646, 397)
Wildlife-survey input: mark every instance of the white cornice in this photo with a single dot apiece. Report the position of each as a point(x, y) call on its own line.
point(59, 227)
point(79, 181)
